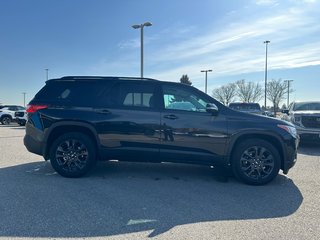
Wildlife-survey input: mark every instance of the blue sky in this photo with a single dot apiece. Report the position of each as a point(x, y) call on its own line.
point(82, 37)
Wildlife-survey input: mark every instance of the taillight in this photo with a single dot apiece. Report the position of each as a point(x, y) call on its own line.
point(34, 108)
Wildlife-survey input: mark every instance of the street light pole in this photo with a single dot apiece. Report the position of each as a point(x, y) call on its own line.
point(141, 26)
point(24, 98)
point(266, 75)
point(206, 79)
point(288, 81)
point(47, 73)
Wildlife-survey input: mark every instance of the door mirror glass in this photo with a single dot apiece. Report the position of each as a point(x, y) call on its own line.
point(212, 108)
point(286, 111)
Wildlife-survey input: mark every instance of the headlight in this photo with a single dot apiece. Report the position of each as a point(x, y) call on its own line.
point(297, 119)
point(289, 129)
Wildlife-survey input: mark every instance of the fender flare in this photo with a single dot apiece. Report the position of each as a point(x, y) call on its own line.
point(256, 133)
point(64, 124)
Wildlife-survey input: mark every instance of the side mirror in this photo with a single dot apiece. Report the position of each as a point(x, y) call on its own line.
point(212, 108)
point(286, 111)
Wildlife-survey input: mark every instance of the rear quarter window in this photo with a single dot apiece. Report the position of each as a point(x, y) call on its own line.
point(76, 93)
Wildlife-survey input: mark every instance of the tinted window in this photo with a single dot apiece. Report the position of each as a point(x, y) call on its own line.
point(179, 98)
point(245, 106)
point(133, 94)
point(12, 108)
point(79, 93)
point(314, 106)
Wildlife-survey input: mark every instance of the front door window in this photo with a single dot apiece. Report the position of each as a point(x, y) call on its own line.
point(182, 99)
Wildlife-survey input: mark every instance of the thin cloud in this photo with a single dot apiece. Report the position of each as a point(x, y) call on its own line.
point(267, 2)
point(236, 48)
point(240, 49)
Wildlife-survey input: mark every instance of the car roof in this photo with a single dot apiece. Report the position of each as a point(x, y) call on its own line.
point(306, 102)
point(108, 78)
point(3, 106)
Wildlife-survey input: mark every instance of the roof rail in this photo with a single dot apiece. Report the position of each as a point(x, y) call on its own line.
point(102, 77)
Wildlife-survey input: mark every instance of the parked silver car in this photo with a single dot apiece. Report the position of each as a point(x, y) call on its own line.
point(253, 108)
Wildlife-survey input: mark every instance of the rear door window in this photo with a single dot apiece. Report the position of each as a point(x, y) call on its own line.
point(126, 94)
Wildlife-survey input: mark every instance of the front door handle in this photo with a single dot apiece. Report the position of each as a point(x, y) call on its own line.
point(170, 116)
point(103, 111)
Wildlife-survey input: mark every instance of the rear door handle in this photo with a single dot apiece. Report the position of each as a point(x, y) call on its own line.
point(170, 116)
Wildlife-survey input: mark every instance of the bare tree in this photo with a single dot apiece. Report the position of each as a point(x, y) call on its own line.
point(185, 79)
point(284, 106)
point(225, 94)
point(248, 91)
point(276, 91)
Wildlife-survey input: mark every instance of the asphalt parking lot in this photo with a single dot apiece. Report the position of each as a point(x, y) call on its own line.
point(156, 201)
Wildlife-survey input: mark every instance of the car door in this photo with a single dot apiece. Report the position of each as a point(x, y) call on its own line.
point(188, 132)
point(130, 126)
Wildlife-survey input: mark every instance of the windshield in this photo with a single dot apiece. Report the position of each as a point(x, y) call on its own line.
point(314, 106)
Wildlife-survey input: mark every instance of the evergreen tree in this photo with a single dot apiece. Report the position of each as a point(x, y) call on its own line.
point(185, 80)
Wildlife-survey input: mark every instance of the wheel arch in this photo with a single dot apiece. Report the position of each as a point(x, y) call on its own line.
point(6, 115)
point(272, 139)
point(68, 127)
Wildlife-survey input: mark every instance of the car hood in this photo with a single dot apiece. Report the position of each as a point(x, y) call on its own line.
point(256, 118)
point(307, 113)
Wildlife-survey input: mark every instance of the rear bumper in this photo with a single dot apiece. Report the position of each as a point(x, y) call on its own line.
point(34, 140)
point(33, 145)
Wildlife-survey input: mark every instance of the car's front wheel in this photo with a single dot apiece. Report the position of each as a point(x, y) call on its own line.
point(72, 154)
point(255, 161)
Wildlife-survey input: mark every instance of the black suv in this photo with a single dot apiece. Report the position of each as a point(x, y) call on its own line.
point(73, 121)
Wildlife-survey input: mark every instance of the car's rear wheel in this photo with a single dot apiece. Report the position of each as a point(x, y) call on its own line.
point(22, 122)
point(5, 120)
point(255, 162)
point(72, 154)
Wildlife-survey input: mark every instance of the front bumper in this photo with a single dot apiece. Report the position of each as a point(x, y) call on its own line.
point(308, 134)
point(290, 154)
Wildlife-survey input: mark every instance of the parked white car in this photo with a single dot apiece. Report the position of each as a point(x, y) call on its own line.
point(21, 117)
point(7, 113)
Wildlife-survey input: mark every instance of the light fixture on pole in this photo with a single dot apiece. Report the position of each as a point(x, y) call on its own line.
point(206, 79)
point(141, 26)
point(288, 81)
point(266, 75)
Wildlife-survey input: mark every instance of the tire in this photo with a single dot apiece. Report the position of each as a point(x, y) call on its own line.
point(255, 162)
point(72, 155)
point(22, 122)
point(6, 120)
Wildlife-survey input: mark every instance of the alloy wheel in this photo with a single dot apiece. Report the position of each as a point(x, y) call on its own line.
point(6, 121)
point(257, 162)
point(72, 155)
